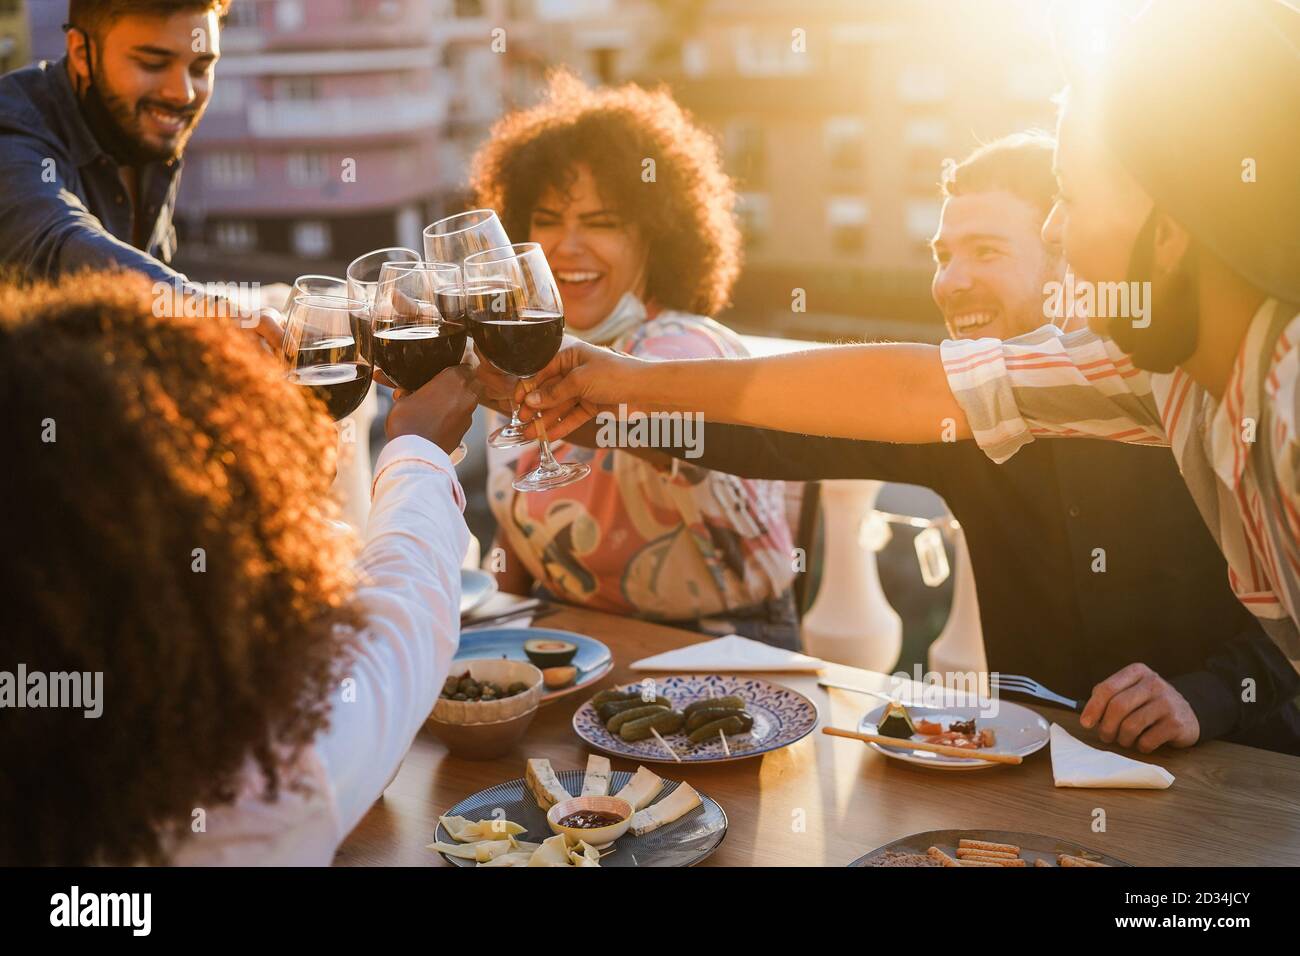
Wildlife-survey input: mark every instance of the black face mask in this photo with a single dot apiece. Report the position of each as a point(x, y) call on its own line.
point(107, 130)
point(1173, 309)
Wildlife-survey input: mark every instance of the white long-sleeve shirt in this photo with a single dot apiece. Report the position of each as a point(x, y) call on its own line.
point(410, 597)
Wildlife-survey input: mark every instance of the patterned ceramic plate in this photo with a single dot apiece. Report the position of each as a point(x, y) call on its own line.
point(593, 659)
point(781, 716)
point(1019, 730)
point(475, 587)
point(684, 842)
point(1033, 846)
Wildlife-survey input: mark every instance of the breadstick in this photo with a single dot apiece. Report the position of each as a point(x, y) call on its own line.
point(963, 852)
point(991, 847)
point(1066, 859)
point(944, 859)
point(999, 858)
point(970, 862)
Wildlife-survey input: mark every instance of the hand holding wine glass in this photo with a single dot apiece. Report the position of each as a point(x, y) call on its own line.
point(441, 410)
point(454, 239)
point(579, 383)
point(517, 320)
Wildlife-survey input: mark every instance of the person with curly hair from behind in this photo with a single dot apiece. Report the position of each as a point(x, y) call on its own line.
point(626, 196)
point(173, 534)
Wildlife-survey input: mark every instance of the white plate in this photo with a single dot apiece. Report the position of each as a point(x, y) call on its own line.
point(1019, 731)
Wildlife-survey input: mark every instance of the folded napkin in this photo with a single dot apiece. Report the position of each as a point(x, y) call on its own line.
point(729, 654)
point(1075, 764)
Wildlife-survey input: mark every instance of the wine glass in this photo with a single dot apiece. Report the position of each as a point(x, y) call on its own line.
point(454, 239)
point(327, 349)
point(363, 271)
point(418, 321)
point(516, 317)
point(318, 285)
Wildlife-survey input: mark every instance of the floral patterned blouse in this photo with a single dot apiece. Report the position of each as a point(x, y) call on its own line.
point(633, 539)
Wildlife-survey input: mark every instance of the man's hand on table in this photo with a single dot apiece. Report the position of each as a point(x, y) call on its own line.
point(1137, 707)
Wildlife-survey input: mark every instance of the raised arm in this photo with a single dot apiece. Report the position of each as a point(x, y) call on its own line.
point(46, 231)
point(832, 391)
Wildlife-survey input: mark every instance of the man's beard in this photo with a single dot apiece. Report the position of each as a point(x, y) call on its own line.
point(115, 125)
point(1171, 337)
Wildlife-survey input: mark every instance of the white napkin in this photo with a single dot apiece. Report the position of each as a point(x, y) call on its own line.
point(730, 654)
point(1075, 764)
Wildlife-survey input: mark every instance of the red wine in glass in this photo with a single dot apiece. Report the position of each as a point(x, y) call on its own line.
point(517, 320)
point(521, 345)
point(333, 371)
point(410, 355)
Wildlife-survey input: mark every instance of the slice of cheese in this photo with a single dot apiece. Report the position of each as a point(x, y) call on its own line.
point(552, 852)
point(595, 783)
point(510, 859)
point(672, 807)
point(465, 831)
point(544, 785)
point(642, 788)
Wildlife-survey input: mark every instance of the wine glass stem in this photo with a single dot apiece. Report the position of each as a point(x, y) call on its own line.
point(547, 461)
point(515, 423)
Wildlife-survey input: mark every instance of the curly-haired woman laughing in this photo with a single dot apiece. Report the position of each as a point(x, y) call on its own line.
point(627, 198)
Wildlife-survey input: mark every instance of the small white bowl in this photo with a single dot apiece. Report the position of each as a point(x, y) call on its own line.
point(499, 671)
point(598, 837)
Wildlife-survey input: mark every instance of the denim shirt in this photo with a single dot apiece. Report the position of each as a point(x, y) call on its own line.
point(63, 206)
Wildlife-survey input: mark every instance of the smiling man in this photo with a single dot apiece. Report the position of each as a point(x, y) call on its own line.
point(991, 264)
point(1177, 169)
point(91, 145)
point(1158, 613)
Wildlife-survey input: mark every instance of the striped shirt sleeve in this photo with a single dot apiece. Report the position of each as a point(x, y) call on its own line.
point(1047, 382)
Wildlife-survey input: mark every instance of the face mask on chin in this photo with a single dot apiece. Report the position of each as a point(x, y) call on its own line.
point(1171, 336)
point(628, 313)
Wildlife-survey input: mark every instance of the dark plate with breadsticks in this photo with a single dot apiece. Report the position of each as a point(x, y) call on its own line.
point(983, 849)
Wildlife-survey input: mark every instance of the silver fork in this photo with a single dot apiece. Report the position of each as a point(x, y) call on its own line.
point(1019, 684)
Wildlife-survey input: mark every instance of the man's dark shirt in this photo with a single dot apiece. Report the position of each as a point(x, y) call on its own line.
point(1032, 525)
point(63, 205)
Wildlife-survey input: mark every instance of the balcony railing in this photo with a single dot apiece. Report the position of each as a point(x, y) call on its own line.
point(346, 117)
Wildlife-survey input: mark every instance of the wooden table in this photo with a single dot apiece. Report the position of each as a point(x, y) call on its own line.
point(826, 801)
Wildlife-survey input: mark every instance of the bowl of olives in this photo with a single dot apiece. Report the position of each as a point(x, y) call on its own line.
point(484, 706)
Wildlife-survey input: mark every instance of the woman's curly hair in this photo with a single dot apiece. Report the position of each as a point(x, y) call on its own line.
point(686, 214)
point(133, 440)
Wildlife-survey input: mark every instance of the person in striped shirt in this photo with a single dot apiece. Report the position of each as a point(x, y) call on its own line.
point(1167, 181)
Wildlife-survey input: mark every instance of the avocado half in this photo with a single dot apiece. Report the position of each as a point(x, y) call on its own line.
point(897, 722)
point(547, 652)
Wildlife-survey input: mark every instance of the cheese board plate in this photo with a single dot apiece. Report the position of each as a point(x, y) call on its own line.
point(683, 842)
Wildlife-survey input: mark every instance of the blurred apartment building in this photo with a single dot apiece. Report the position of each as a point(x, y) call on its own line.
point(14, 43)
point(321, 140)
point(339, 126)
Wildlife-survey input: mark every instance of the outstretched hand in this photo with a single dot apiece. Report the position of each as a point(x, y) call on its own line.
point(579, 383)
